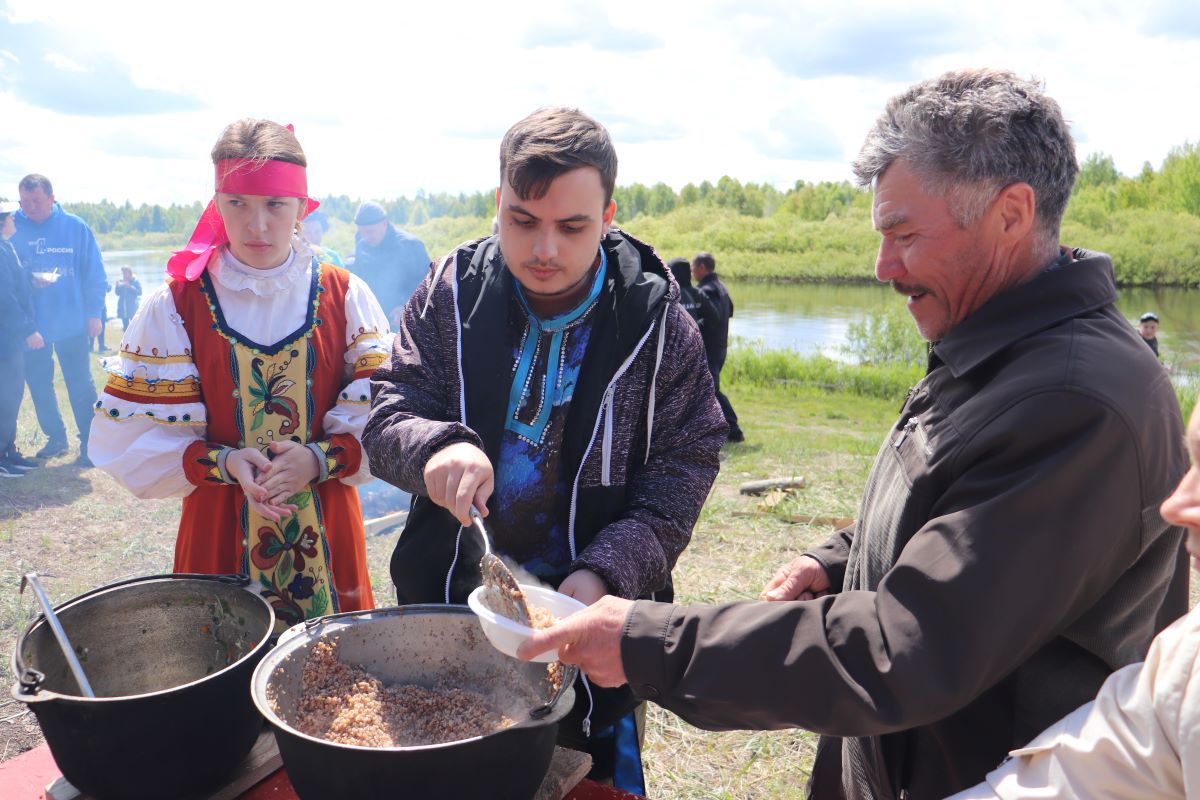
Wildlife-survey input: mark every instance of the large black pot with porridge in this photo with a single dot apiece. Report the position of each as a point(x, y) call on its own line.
point(432, 646)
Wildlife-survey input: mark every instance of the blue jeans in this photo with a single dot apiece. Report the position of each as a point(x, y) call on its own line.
point(77, 373)
point(12, 391)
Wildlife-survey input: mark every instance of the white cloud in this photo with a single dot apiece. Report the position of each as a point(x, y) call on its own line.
point(389, 98)
point(59, 61)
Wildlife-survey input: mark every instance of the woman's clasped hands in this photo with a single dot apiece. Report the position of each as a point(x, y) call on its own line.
point(269, 481)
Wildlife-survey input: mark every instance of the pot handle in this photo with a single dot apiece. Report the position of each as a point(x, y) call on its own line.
point(30, 680)
point(570, 674)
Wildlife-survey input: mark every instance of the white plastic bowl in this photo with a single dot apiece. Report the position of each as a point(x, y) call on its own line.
point(506, 635)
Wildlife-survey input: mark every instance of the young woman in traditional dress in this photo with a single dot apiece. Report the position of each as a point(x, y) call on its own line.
point(242, 386)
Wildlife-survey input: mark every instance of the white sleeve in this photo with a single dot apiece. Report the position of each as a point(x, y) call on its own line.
point(150, 409)
point(1132, 741)
point(368, 345)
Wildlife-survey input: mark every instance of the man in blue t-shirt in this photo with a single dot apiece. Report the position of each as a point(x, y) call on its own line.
point(63, 258)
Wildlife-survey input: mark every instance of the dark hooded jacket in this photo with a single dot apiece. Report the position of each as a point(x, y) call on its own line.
point(642, 439)
point(641, 443)
point(713, 288)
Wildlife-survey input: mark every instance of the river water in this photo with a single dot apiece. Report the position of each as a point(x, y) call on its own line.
point(813, 318)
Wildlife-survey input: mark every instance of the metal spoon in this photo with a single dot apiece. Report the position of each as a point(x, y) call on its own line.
point(503, 594)
point(31, 578)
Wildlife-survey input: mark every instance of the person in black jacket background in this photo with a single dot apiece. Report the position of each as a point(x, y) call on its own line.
point(697, 305)
point(16, 325)
point(704, 270)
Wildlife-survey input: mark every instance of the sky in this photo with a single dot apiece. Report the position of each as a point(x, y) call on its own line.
point(123, 100)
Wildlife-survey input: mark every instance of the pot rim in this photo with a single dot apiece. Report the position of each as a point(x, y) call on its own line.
point(312, 630)
point(28, 689)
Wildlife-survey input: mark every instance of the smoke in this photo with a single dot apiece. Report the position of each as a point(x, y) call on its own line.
point(523, 575)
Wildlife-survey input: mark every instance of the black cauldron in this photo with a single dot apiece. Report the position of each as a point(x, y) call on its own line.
point(431, 646)
point(169, 658)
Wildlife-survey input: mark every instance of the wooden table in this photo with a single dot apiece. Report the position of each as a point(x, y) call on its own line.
point(34, 776)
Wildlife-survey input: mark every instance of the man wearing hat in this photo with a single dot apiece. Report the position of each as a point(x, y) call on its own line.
point(16, 328)
point(1148, 328)
point(392, 262)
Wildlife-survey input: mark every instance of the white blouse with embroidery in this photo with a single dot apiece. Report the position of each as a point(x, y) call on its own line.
point(142, 444)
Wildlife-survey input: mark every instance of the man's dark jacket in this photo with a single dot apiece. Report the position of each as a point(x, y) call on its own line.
point(16, 303)
point(708, 319)
point(1008, 556)
point(718, 295)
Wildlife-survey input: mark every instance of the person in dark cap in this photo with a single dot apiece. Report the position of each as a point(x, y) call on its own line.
point(1148, 328)
point(16, 327)
point(391, 261)
point(315, 226)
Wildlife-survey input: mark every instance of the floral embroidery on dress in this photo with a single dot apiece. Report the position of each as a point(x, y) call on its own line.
point(281, 554)
point(268, 396)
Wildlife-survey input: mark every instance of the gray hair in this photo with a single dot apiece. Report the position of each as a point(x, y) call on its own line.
point(969, 133)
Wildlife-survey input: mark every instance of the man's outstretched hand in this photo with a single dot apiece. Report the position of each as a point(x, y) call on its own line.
point(590, 638)
point(802, 578)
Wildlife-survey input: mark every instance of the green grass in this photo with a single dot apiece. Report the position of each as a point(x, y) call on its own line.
point(760, 367)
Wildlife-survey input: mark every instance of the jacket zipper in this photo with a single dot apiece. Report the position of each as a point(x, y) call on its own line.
point(913, 426)
point(606, 444)
point(909, 426)
point(606, 410)
point(609, 392)
point(462, 390)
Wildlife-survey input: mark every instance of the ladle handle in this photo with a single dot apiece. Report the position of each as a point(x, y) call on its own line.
point(477, 521)
point(31, 578)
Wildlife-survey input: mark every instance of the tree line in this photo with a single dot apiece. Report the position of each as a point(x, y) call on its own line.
point(1149, 222)
point(813, 201)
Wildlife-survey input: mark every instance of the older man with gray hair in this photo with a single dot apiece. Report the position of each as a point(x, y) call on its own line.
point(1008, 553)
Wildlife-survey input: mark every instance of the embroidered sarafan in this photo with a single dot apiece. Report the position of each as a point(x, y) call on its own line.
point(244, 358)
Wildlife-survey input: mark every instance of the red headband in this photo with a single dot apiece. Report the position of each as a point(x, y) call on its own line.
point(263, 178)
point(237, 176)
